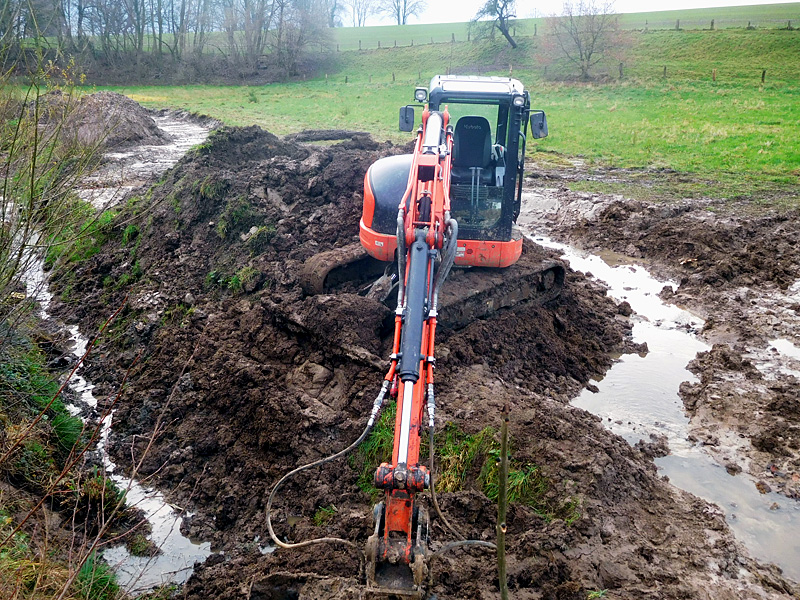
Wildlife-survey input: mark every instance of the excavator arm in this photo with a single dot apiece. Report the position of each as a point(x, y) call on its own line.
point(426, 248)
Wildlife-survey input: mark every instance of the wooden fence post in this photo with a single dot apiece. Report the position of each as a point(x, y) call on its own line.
point(678, 25)
point(359, 44)
point(620, 71)
point(714, 74)
point(534, 30)
point(468, 35)
point(665, 72)
point(712, 24)
point(763, 75)
point(379, 43)
point(345, 78)
point(395, 43)
point(392, 77)
point(452, 37)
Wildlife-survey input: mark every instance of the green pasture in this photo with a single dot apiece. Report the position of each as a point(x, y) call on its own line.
point(736, 130)
point(697, 126)
point(766, 16)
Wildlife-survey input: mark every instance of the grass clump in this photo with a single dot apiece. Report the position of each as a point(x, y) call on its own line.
point(130, 233)
point(237, 216)
point(96, 580)
point(464, 460)
point(260, 240)
point(377, 448)
point(324, 515)
point(82, 237)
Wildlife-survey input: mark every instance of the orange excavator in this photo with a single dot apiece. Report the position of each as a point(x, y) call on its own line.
point(453, 202)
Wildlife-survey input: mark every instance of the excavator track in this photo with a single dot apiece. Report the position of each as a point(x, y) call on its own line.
point(469, 294)
point(324, 272)
point(476, 293)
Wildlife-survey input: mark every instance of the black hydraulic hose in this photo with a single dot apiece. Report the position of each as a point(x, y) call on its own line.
point(376, 406)
point(401, 259)
point(448, 259)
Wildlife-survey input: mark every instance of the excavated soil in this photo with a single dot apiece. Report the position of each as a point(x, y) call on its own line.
point(104, 119)
point(739, 269)
point(233, 377)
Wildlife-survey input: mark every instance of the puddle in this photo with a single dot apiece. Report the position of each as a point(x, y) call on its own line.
point(639, 397)
point(786, 348)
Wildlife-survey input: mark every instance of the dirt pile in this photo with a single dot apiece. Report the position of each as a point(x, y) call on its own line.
point(107, 119)
point(242, 378)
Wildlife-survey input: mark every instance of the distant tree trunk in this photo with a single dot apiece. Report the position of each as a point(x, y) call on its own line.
point(503, 27)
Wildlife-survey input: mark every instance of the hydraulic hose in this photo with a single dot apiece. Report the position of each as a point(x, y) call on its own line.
point(448, 259)
point(452, 545)
point(376, 406)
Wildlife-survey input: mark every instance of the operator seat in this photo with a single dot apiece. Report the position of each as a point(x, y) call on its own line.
point(472, 147)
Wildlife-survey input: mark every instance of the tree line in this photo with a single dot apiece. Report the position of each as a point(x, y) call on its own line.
point(118, 32)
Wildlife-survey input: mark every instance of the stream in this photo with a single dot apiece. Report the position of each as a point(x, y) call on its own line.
point(638, 397)
point(121, 172)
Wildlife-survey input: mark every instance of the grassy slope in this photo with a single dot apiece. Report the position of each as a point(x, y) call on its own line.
point(734, 128)
point(763, 16)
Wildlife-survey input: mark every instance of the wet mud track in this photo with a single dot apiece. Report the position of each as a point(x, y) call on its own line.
point(738, 270)
point(242, 377)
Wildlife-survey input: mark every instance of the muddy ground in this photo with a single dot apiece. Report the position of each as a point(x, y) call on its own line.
point(233, 377)
point(737, 268)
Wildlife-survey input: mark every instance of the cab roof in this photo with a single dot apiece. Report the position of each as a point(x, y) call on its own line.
point(470, 86)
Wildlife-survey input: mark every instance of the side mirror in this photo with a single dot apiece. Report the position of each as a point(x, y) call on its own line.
point(406, 118)
point(538, 124)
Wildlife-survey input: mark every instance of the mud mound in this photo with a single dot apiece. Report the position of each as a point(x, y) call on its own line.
point(105, 118)
point(242, 378)
point(709, 250)
point(324, 135)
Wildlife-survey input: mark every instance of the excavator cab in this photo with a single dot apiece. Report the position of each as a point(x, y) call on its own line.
point(490, 118)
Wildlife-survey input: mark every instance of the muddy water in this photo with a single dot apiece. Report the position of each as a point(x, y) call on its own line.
point(638, 398)
point(125, 170)
point(120, 173)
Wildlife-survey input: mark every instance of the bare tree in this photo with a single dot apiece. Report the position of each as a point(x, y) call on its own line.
point(360, 10)
point(335, 10)
point(585, 34)
point(401, 10)
point(499, 14)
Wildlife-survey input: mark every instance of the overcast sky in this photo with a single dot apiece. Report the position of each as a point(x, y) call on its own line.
point(449, 11)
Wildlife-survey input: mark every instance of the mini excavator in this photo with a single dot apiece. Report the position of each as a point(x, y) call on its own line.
point(453, 202)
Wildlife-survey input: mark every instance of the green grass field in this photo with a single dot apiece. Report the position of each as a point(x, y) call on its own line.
point(766, 16)
point(736, 130)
